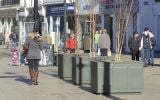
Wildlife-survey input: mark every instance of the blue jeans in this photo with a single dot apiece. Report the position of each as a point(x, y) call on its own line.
point(23, 56)
point(145, 55)
point(151, 61)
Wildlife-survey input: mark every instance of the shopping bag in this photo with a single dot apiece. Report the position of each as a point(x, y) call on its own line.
point(109, 53)
point(99, 52)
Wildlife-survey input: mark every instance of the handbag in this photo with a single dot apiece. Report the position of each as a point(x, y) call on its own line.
point(25, 49)
point(109, 53)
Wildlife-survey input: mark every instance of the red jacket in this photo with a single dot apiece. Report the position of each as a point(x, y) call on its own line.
point(72, 43)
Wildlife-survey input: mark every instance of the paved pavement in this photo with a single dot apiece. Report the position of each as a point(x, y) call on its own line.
point(14, 84)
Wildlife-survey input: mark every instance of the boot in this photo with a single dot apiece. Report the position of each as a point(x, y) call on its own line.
point(36, 78)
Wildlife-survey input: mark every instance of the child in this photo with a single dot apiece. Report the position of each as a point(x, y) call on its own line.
point(23, 54)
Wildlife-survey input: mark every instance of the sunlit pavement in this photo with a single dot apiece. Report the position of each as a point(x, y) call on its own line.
point(15, 84)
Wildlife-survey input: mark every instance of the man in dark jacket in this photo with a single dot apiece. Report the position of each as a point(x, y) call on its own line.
point(145, 46)
point(133, 44)
point(153, 44)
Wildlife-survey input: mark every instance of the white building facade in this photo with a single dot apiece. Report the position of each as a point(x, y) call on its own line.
point(8, 18)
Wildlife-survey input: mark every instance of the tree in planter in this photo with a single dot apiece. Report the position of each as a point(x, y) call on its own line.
point(123, 9)
point(90, 16)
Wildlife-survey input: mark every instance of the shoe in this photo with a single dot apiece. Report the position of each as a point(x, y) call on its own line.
point(35, 83)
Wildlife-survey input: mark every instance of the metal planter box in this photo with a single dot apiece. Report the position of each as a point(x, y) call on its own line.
point(81, 73)
point(116, 77)
point(65, 65)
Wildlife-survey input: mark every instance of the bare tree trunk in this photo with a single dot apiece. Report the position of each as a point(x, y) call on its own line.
point(123, 9)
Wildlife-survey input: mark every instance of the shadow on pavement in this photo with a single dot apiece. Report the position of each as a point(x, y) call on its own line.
point(19, 78)
point(23, 80)
point(10, 73)
point(2, 55)
point(9, 76)
point(113, 97)
point(158, 65)
point(86, 88)
point(68, 81)
point(50, 74)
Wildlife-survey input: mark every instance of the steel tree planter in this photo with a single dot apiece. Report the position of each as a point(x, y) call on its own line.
point(81, 73)
point(65, 65)
point(116, 77)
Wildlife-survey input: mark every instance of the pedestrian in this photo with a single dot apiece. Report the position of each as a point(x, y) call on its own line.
point(104, 43)
point(133, 44)
point(14, 38)
point(34, 45)
point(96, 37)
point(145, 47)
point(23, 55)
point(153, 44)
point(72, 43)
point(87, 43)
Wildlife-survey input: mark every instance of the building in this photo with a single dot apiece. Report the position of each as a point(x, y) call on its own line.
point(149, 16)
point(145, 13)
point(18, 14)
point(8, 17)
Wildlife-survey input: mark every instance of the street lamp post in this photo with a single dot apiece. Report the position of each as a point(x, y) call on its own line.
point(65, 15)
point(37, 20)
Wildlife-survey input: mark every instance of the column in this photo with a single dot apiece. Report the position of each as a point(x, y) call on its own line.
point(21, 39)
point(51, 24)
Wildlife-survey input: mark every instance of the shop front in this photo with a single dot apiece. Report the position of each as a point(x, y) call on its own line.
point(55, 15)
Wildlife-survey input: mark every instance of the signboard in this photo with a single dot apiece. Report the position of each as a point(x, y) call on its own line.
point(58, 9)
point(85, 7)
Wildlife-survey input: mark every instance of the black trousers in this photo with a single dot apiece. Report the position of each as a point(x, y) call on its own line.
point(103, 52)
point(135, 55)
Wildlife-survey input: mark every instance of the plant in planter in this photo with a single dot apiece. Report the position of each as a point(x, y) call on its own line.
point(123, 10)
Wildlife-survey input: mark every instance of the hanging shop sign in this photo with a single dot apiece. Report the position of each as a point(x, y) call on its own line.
point(58, 9)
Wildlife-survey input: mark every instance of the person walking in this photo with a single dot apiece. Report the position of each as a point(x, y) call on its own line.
point(96, 37)
point(14, 38)
point(23, 55)
point(153, 44)
point(133, 44)
point(145, 46)
point(34, 45)
point(72, 43)
point(104, 43)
